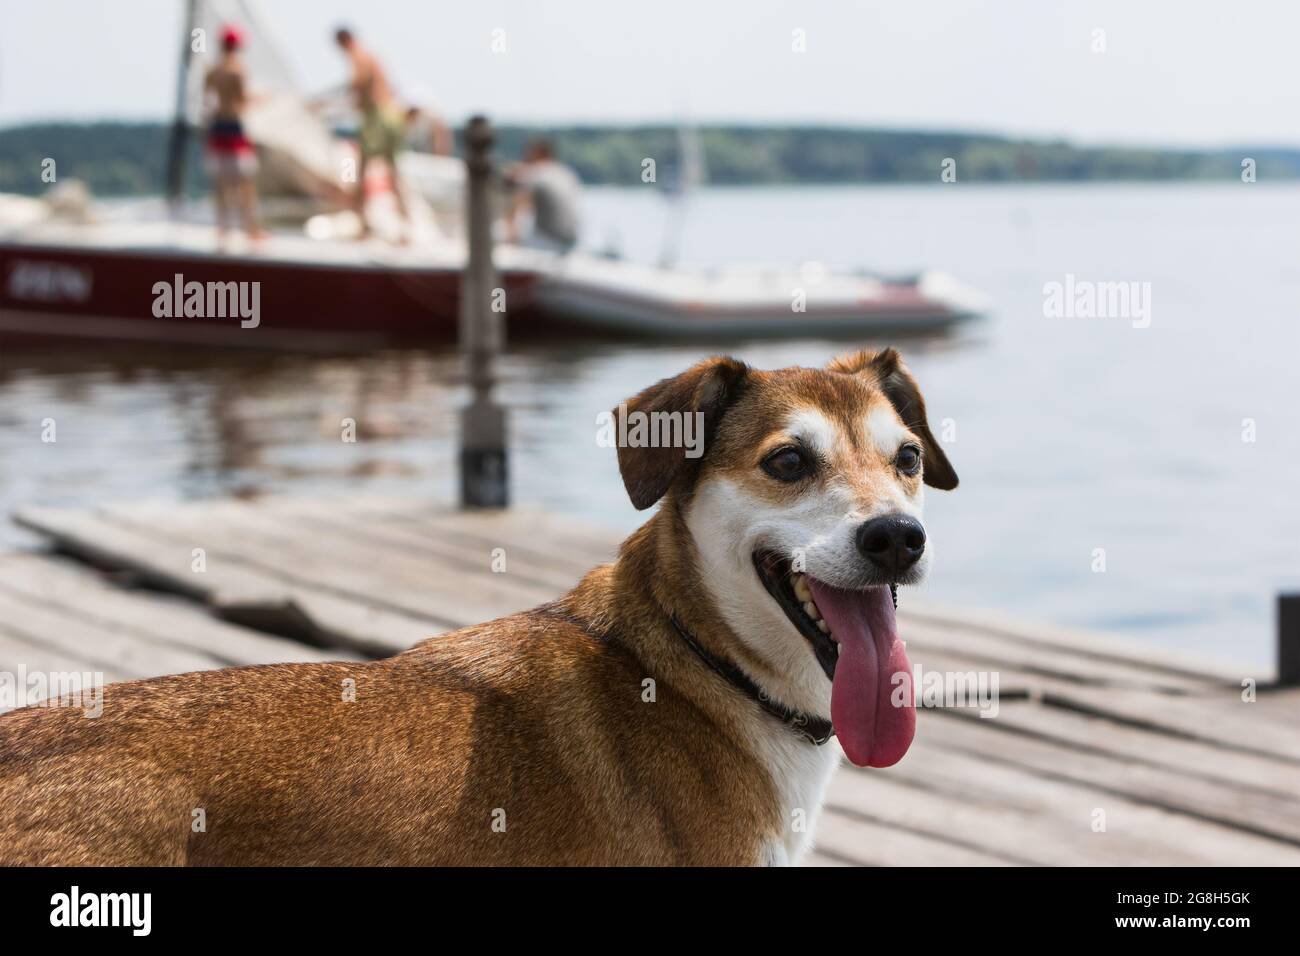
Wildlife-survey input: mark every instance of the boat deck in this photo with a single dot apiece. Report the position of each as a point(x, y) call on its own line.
point(1098, 753)
point(199, 241)
point(94, 280)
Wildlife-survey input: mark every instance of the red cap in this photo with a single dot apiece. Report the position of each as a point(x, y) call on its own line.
point(232, 38)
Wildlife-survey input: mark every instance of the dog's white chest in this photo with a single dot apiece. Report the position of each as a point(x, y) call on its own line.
point(801, 773)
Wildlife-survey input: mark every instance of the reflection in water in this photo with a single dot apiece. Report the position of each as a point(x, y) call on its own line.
point(167, 423)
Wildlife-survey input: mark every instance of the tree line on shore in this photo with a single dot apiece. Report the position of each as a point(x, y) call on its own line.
point(120, 158)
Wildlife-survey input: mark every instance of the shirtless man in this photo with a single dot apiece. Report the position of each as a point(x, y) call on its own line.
point(232, 160)
point(383, 121)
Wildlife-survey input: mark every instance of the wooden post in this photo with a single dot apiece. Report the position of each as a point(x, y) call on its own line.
point(482, 335)
point(1288, 640)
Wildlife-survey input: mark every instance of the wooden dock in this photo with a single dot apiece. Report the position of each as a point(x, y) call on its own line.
point(1098, 753)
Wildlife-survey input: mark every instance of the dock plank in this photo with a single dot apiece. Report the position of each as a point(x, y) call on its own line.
point(816, 858)
point(1050, 661)
point(1015, 812)
point(1228, 723)
point(562, 534)
point(1232, 804)
point(100, 647)
point(1043, 636)
point(230, 588)
point(84, 594)
point(156, 560)
point(1070, 729)
point(1277, 705)
point(19, 655)
point(470, 554)
point(848, 838)
point(276, 546)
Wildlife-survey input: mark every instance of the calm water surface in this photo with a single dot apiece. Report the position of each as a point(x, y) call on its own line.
point(1071, 434)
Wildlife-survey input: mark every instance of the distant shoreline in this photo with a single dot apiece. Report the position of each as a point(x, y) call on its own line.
point(122, 158)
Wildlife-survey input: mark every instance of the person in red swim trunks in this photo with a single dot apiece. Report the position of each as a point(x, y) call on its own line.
point(232, 160)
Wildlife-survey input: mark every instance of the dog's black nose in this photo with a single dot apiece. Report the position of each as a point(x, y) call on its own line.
point(892, 543)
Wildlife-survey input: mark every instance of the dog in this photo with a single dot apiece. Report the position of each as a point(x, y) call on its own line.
point(678, 706)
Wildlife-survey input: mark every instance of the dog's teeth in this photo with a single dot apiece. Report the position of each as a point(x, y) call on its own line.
point(801, 589)
point(810, 609)
point(824, 628)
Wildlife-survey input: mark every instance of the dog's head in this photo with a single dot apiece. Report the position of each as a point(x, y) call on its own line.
point(804, 504)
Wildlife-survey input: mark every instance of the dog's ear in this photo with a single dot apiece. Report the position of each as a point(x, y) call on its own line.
point(706, 388)
point(886, 368)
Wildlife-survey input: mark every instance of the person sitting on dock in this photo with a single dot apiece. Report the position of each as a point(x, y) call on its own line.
point(232, 160)
point(550, 190)
point(383, 121)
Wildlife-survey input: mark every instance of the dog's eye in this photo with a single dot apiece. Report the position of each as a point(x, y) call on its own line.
point(788, 464)
point(909, 459)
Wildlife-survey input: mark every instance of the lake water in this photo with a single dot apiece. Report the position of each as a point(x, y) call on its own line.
point(1072, 434)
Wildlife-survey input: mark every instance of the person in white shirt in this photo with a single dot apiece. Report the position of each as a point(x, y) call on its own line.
point(550, 191)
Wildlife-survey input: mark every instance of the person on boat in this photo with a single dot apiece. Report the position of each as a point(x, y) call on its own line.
point(383, 121)
point(550, 191)
point(426, 130)
point(231, 158)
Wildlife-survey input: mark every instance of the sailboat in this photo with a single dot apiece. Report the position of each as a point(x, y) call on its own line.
point(68, 273)
point(84, 274)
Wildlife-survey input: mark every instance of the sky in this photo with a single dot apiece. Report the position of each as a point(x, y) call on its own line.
point(1172, 72)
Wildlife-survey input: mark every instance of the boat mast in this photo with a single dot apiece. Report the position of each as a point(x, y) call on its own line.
point(180, 131)
point(690, 174)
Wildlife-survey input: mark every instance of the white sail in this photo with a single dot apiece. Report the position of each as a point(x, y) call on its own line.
point(299, 156)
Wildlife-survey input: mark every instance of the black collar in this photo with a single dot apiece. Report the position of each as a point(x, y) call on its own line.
point(816, 730)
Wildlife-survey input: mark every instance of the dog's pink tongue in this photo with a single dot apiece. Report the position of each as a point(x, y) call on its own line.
point(874, 715)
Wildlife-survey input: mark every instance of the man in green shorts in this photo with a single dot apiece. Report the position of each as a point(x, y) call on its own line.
point(383, 121)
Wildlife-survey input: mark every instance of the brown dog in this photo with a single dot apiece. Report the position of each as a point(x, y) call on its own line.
point(673, 708)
